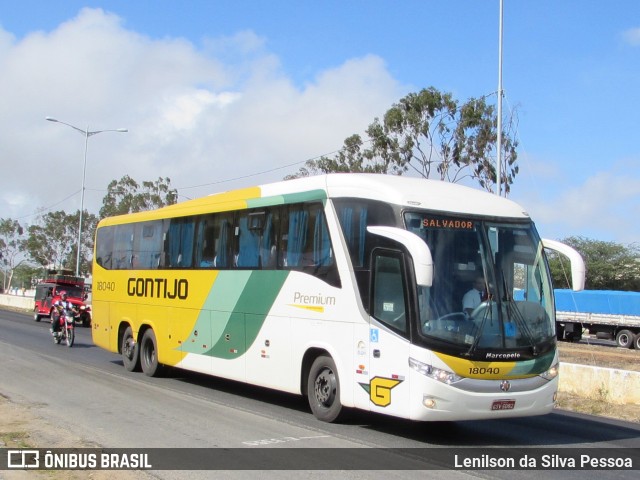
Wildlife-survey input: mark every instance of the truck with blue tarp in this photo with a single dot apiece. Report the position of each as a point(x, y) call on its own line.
point(607, 314)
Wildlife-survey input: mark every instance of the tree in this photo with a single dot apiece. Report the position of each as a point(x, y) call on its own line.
point(431, 134)
point(127, 196)
point(10, 249)
point(610, 265)
point(52, 242)
point(351, 158)
point(25, 275)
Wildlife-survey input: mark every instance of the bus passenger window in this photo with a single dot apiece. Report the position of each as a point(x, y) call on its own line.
point(180, 242)
point(205, 242)
point(305, 243)
point(248, 241)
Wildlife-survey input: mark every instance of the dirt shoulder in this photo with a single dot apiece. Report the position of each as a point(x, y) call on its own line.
point(22, 426)
point(601, 354)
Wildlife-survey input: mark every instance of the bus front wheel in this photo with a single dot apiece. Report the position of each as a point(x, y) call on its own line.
point(323, 389)
point(149, 354)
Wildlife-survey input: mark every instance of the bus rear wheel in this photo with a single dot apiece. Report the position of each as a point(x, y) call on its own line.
point(149, 354)
point(323, 389)
point(130, 351)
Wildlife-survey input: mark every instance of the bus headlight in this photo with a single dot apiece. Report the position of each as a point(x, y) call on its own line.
point(551, 373)
point(433, 372)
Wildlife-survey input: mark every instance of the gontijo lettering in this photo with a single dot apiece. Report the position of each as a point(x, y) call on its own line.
point(158, 288)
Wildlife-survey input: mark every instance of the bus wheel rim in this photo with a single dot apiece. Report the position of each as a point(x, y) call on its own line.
point(325, 387)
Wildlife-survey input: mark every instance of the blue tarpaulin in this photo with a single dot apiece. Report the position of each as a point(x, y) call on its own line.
point(609, 302)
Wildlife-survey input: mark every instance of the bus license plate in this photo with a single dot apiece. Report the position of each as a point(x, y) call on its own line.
point(503, 405)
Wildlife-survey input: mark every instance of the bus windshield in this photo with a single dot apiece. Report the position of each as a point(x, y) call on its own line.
point(491, 297)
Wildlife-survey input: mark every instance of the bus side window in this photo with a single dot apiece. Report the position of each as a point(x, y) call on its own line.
point(180, 242)
point(388, 299)
point(222, 238)
point(305, 244)
point(122, 247)
point(205, 242)
point(104, 250)
point(249, 233)
point(147, 245)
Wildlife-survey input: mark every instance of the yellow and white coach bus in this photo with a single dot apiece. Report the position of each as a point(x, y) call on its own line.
point(346, 288)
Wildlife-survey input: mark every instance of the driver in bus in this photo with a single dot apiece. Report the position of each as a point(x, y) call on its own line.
point(474, 297)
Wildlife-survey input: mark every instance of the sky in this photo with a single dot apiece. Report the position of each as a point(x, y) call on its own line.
point(224, 94)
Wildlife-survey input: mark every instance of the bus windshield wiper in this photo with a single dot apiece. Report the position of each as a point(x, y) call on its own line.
point(514, 312)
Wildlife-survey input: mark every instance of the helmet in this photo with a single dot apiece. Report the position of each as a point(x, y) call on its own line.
point(63, 294)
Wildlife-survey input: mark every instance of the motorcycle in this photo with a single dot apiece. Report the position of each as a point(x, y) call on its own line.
point(66, 318)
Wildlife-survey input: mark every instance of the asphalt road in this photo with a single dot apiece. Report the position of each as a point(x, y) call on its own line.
point(117, 409)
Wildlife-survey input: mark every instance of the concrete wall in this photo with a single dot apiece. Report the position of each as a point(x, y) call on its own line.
point(615, 386)
point(610, 384)
point(17, 301)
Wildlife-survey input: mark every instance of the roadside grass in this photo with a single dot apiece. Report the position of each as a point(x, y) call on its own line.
point(15, 439)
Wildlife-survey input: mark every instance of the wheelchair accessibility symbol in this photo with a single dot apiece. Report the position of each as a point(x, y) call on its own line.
point(373, 335)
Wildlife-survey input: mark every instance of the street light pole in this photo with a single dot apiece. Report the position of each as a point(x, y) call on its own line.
point(499, 139)
point(87, 133)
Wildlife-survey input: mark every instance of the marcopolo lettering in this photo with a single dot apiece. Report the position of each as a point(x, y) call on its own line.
point(158, 288)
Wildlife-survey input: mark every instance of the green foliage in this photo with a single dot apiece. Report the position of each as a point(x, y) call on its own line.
point(430, 133)
point(52, 242)
point(10, 249)
point(24, 275)
point(127, 196)
point(10, 233)
point(610, 265)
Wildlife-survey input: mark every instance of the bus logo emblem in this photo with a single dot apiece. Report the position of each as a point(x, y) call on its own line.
point(505, 385)
point(379, 390)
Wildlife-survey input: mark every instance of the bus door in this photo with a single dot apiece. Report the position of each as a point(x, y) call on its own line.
point(389, 334)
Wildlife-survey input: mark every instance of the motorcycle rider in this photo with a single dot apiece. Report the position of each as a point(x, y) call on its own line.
point(60, 306)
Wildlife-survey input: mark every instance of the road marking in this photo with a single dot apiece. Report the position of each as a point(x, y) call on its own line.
point(271, 441)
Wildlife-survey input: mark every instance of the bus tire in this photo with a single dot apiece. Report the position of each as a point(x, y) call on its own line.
point(636, 341)
point(624, 338)
point(323, 389)
point(149, 354)
point(130, 351)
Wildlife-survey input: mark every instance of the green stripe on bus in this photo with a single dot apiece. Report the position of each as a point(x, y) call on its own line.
point(248, 314)
point(287, 198)
point(533, 367)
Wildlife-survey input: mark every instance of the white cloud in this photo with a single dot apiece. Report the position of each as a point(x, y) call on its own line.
point(632, 37)
point(199, 116)
point(604, 206)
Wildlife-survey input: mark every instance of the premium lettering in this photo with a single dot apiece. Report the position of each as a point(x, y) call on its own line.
point(158, 288)
point(313, 299)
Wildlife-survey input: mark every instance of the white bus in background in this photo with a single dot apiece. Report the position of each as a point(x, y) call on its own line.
point(345, 288)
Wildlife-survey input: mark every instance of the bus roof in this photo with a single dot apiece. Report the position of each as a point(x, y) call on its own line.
point(399, 190)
